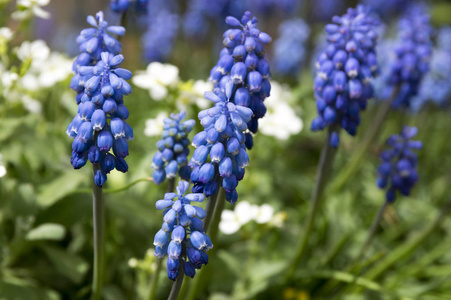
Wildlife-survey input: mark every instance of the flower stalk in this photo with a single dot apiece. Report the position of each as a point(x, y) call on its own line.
point(212, 232)
point(97, 212)
point(159, 261)
point(324, 169)
point(370, 136)
point(372, 232)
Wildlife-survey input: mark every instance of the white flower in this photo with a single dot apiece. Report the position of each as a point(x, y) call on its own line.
point(36, 51)
point(264, 214)
point(199, 88)
point(157, 78)
point(193, 94)
point(55, 69)
point(245, 212)
point(154, 127)
point(2, 168)
point(27, 8)
point(133, 262)
point(5, 34)
point(280, 120)
point(231, 221)
point(46, 69)
point(278, 219)
point(8, 78)
point(32, 105)
point(30, 82)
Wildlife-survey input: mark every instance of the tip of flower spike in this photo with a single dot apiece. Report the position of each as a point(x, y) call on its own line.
point(264, 38)
point(232, 21)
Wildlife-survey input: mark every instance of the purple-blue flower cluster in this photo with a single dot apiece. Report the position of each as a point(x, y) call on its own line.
point(345, 70)
point(413, 52)
point(200, 13)
point(242, 61)
point(162, 29)
point(220, 156)
point(436, 85)
point(289, 48)
point(182, 236)
point(323, 10)
point(387, 8)
point(173, 151)
point(398, 170)
point(100, 124)
point(122, 6)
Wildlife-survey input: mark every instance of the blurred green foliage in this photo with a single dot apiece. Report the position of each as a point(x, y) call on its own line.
point(46, 211)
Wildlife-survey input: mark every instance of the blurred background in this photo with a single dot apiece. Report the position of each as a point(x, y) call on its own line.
point(46, 208)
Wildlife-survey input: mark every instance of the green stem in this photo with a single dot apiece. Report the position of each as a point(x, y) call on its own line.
point(184, 289)
point(355, 267)
point(372, 232)
point(220, 203)
point(370, 136)
point(408, 247)
point(97, 212)
point(155, 278)
point(324, 169)
point(177, 284)
point(212, 233)
point(159, 261)
point(110, 191)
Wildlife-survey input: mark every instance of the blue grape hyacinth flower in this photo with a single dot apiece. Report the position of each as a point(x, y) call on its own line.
point(162, 30)
point(243, 62)
point(220, 156)
point(182, 237)
point(171, 158)
point(398, 169)
point(436, 85)
point(344, 72)
point(100, 130)
point(122, 6)
point(92, 42)
point(413, 52)
point(289, 48)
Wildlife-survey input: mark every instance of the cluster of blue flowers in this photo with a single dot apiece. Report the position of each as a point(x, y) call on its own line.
point(436, 85)
point(162, 29)
point(173, 151)
point(413, 52)
point(323, 10)
point(223, 140)
point(182, 236)
point(121, 6)
point(289, 48)
point(242, 61)
point(386, 9)
point(100, 124)
point(200, 12)
point(399, 163)
point(345, 70)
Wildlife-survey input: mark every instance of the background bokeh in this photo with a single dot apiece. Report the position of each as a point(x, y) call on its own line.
point(46, 208)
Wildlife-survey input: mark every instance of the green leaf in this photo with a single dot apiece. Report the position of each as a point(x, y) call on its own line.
point(70, 265)
point(60, 187)
point(67, 212)
point(261, 275)
point(16, 289)
point(9, 126)
point(234, 265)
point(47, 231)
